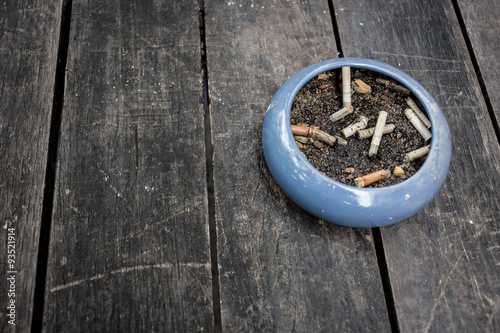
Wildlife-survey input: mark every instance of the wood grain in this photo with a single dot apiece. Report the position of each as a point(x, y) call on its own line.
point(29, 36)
point(280, 268)
point(129, 247)
point(444, 263)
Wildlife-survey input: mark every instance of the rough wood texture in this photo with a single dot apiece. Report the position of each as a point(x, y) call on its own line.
point(29, 35)
point(280, 268)
point(444, 263)
point(481, 21)
point(129, 247)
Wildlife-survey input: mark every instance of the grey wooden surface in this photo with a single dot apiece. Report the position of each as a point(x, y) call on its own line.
point(164, 214)
point(481, 21)
point(28, 51)
point(444, 262)
point(129, 248)
point(280, 268)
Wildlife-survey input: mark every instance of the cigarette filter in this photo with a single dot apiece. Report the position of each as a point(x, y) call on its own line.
point(366, 133)
point(372, 178)
point(418, 153)
point(377, 134)
point(418, 112)
point(341, 113)
point(346, 85)
point(353, 128)
point(418, 124)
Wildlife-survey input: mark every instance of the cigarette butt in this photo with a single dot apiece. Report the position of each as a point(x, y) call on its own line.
point(323, 76)
point(399, 88)
point(393, 86)
point(318, 144)
point(341, 140)
point(313, 132)
point(362, 87)
point(300, 145)
point(372, 178)
point(383, 82)
point(349, 170)
point(300, 130)
point(326, 85)
point(325, 137)
point(411, 103)
point(353, 128)
point(341, 113)
point(301, 138)
point(377, 134)
point(418, 153)
point(366, 133)
point(418, 124)
point(398, 171)
point(346, 85)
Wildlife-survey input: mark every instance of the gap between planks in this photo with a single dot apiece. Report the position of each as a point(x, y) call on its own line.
point(377, 236)
point(210, 173)
point(50, 170)
point(477, 69)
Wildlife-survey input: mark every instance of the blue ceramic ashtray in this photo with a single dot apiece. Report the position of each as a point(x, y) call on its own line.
point(336, 202)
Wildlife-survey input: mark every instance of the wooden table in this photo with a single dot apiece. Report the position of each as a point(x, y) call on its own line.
point(135, 190)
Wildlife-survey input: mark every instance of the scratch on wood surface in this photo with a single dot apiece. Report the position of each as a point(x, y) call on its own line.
point(431, 70)
point(166, 265)
point(460, 107)
point(492, 304)
point(74, 208)
point(454, 88)
point(441, 293)
point(414, 56)
point(465, 249)
point(75, 283)
point(479, 292)
point(106, 178)
point(183, 209)
point(137, 156)
point(97, 10)
point(494, 247)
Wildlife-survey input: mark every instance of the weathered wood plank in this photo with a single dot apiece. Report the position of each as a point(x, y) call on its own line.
point(29, 36)
point(444, 263)
point(280, 268)
point(129, 247)
point(481, 21)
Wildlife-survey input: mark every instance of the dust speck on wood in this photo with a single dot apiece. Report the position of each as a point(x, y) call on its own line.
point(322, 96)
